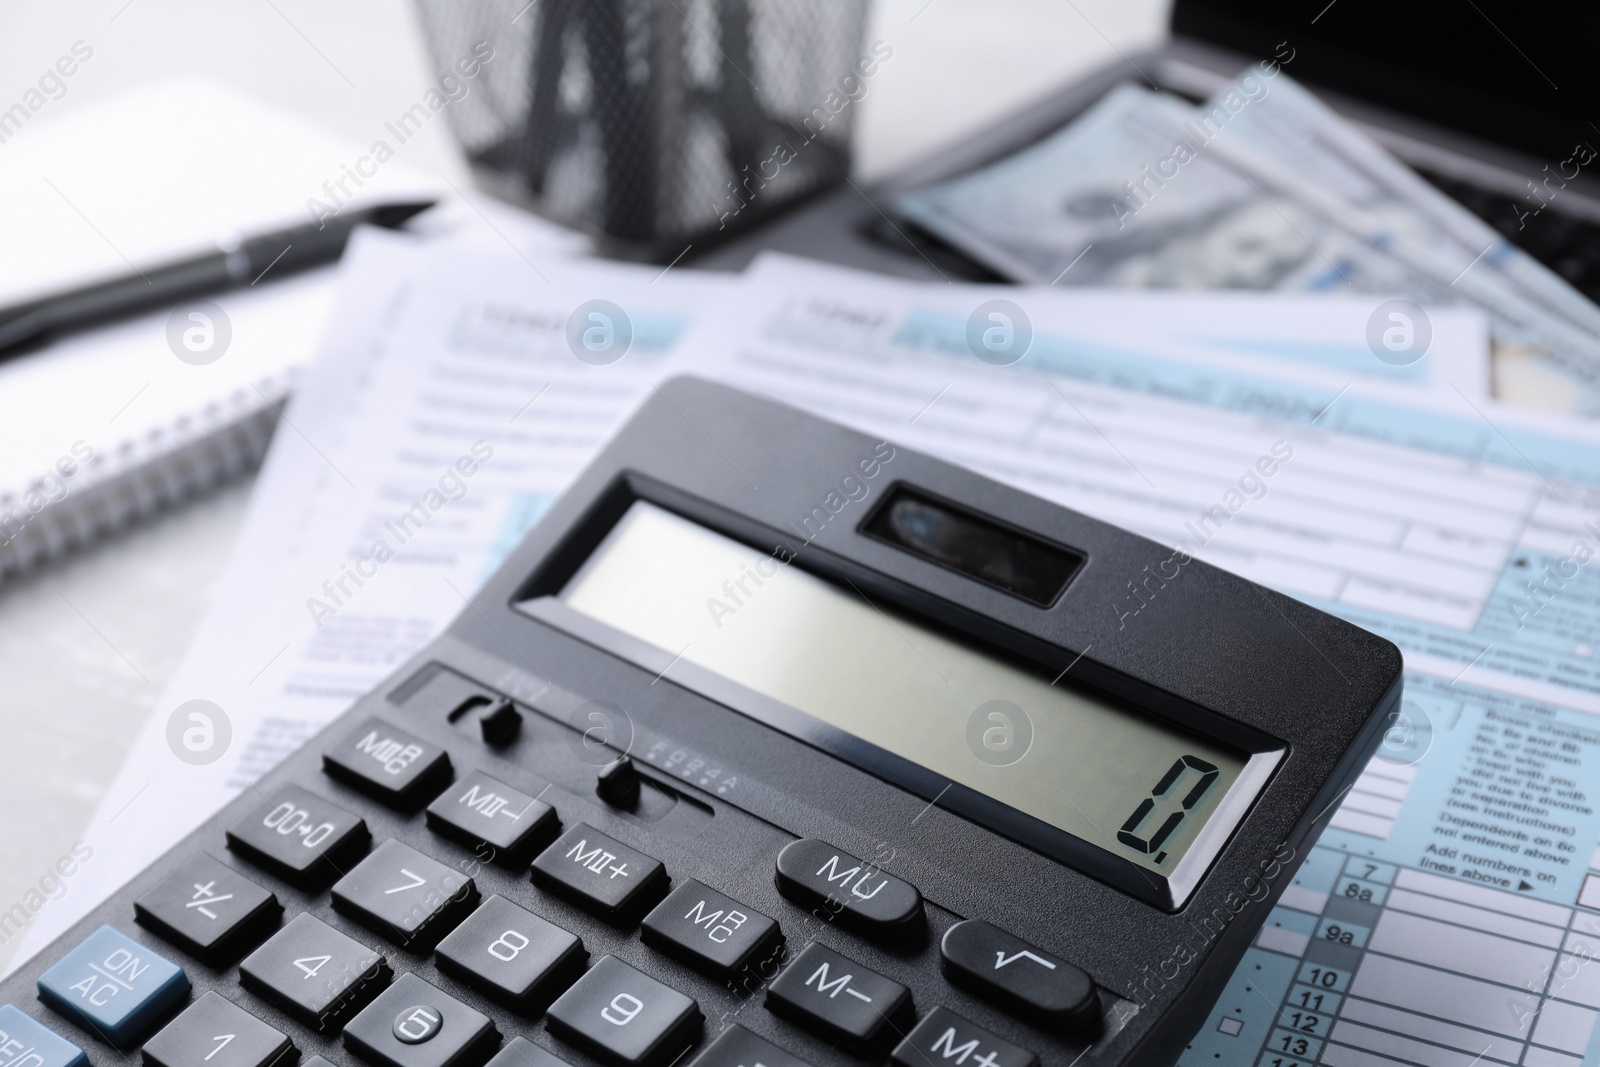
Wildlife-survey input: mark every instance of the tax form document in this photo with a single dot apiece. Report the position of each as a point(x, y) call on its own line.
point(1451, 915)
point(1188, 340)
point(448, 406)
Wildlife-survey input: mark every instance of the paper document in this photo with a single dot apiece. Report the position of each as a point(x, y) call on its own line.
point(1203, 340)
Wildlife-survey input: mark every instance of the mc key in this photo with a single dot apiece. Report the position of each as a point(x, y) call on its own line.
point(703, 928)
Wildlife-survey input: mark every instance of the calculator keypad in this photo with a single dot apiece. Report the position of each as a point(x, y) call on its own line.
point(314, 973)
point(216, 1032)
point(430, 905)
point(209, 910)
point(599, 873)
point(623, 1016)
point(301, 838)
point(411, 899)
point(511, 955)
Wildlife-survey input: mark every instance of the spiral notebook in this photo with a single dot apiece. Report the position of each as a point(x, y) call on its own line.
point(101, 428)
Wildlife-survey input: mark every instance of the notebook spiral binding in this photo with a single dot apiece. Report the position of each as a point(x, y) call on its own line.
point(140, 477)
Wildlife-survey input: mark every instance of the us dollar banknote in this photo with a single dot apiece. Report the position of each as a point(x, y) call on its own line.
point(1261, 187)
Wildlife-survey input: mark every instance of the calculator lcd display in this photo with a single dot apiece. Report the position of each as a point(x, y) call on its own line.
point(1104, 773)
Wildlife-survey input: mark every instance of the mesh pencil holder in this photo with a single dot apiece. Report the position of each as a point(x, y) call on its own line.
point(653, 124)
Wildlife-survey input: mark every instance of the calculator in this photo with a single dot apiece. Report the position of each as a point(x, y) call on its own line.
point(773, 743)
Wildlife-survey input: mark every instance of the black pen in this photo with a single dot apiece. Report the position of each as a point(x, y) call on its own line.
point(244, 263)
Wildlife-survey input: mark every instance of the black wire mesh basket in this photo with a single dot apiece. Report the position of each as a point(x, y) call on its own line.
point(654, 124)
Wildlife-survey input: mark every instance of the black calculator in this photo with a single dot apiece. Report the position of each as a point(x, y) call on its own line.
point(773, 744)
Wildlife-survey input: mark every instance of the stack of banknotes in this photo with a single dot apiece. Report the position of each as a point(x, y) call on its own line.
point(1260, 187)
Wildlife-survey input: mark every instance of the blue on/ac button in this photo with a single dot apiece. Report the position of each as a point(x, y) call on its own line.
point(114, 986)
point(25, 1042)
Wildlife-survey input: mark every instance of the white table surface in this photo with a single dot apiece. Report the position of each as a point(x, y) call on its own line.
point(88, 643)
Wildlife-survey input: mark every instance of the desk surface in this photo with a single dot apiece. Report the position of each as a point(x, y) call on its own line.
point(87, 644)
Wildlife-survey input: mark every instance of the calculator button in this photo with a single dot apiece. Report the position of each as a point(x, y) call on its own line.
point(409, 898)
point(814, 874)
point(415, 1024)
point(300, 837)
point(216, 1032)
point(625, 1017)
point(1021, 978)
point(738, 1047)
point(209, 910)
point(511, 955)
point(390, 764)
point(598, 873)
point(114, 986)
point(481, 811)
point(314, 973)
point(25, 1042)
point(839, 999)
point(699, 926)
point(520, 1052)
point(944, 1036)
